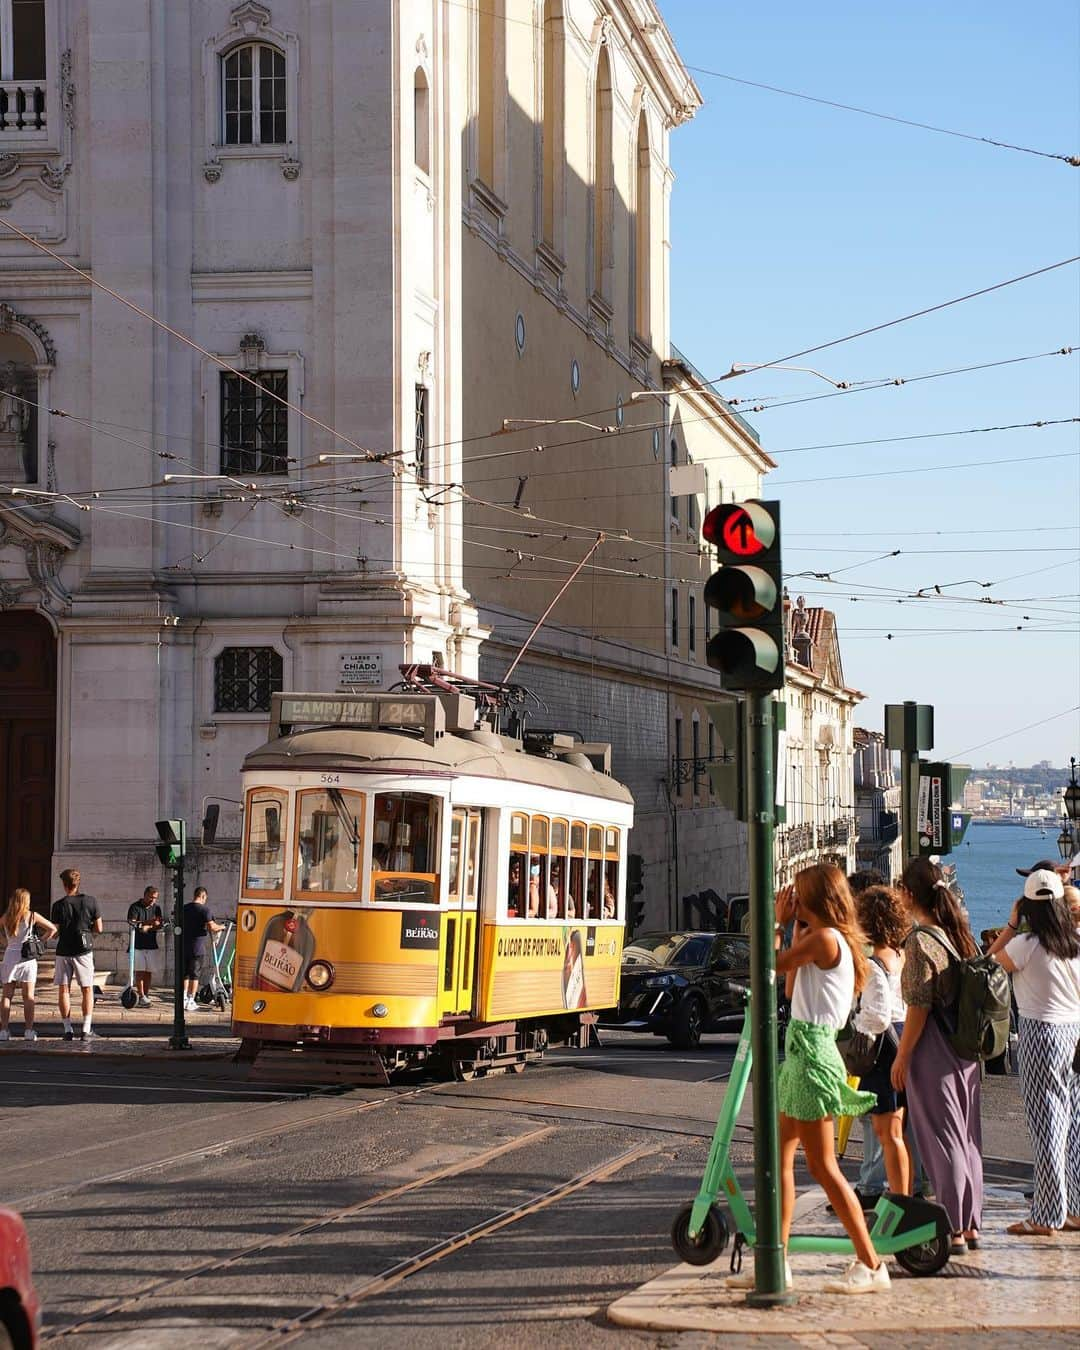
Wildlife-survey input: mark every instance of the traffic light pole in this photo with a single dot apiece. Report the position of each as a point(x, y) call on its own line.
point(769, 1287)
point(179, 1038)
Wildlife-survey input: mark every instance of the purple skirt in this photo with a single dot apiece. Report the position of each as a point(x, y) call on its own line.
point(943, 1102)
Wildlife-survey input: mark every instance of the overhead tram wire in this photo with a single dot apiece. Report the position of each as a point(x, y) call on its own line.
point(958, 754)
point(1072, 160)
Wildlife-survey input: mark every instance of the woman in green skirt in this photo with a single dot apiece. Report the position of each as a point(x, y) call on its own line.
point(825, 967)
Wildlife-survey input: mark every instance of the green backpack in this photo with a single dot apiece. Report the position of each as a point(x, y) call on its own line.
point(976, 1022)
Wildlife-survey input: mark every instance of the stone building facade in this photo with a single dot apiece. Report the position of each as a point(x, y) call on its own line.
point(370, 234)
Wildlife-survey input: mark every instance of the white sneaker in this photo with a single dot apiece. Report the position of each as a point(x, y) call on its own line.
point(144, 1002)
point(859, 1279)
point(30, 1034)
point(5, 1035)
point(745, 1278)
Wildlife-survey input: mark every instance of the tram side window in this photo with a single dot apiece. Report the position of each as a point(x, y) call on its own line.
point(329, 842)
point(539, 899)
point(472, 859)
point(404, 849)
point(594, 907)
point(611, 873)
point(463, 883)
point(457, 831)
point(557, 875)
point(519, 867)
point(575, 896)
point(264, 858)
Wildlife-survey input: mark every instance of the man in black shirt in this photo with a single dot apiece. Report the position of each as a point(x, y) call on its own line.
point(198, 924)
point(76, 916)
point(146, 918)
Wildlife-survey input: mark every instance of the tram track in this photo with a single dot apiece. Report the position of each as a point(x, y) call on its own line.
point(227, 1259)
point(290, 1329)
point(28, 1204)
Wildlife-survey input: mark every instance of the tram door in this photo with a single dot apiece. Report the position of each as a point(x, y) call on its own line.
point(459, 925)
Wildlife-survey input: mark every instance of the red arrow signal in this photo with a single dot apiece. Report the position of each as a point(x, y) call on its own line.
point(738, 535)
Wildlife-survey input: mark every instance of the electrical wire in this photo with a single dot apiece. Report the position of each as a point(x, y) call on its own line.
point(959, 754)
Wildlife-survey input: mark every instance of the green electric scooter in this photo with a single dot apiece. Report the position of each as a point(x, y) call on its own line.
point(915, 1231)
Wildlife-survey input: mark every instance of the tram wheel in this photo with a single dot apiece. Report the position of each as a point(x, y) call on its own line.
point(710, 1241)
point(927, 1258)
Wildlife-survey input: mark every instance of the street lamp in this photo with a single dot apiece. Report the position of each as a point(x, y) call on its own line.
point(1065, 843)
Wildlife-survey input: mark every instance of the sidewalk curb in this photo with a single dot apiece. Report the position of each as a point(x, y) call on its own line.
point(695, 1299)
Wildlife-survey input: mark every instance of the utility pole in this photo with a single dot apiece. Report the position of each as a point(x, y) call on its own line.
point(909, 728)
point(760, 740)
point(170, 852)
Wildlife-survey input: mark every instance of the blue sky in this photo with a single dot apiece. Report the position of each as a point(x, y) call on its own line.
point(793, 224)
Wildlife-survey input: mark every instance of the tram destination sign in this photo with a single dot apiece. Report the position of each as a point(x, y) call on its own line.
point(292, 711)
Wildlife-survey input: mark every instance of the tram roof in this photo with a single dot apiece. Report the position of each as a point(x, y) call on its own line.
point(456, 756)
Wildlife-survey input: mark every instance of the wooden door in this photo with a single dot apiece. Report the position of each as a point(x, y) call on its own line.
point(27, 755)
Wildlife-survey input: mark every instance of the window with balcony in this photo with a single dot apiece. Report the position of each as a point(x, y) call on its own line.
point(22, 65)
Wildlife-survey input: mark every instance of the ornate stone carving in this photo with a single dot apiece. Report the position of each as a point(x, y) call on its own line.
point(44, 544)
point(9, 316)
point(422, 47)
point(53, 175)
point(252, 348)
point(9, 163)
point(250, 17)
point(67, 88)
point(212, 170)
point(290, 168)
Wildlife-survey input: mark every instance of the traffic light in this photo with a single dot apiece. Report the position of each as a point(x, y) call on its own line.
point(747, 594)
point(173, 836)
point(635, 885)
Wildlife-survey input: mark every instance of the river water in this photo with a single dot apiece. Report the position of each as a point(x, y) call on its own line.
point(986, 865)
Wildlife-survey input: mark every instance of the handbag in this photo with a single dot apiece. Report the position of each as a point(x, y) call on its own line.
point(858, 1049)
point(33, 947)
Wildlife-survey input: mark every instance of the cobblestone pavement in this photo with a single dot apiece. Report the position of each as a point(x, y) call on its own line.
point(1012, 1286)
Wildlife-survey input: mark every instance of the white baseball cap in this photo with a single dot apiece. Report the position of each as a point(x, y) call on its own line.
point(1042, 884)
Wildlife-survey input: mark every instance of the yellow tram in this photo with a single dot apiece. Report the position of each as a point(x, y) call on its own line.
point(415, 886)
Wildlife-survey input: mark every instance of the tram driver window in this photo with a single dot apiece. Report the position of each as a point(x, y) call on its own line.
point(515, 886)
point(404, 848)
point(329, 842)
point(264, 858)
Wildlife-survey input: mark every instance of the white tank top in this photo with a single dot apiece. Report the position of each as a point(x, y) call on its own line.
point(824, 997)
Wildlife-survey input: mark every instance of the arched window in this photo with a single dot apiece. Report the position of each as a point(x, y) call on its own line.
point(253, 96)
point(553, 148)
point(603, 189)
point(642, 237)
point(421, 121)
point(19, 411)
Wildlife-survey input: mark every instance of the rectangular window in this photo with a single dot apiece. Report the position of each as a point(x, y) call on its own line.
point(23, 57)
point(678, 757)
point(695, 750)
point(244, 679)
point(329, 842)
point(421, 432)
point(255, 423)
point(675, 618)
point(691, 625)
point(405, 848)
point(264, 845)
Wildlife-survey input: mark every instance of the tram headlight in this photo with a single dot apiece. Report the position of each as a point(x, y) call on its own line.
point(320, 975)
point(380, 1010)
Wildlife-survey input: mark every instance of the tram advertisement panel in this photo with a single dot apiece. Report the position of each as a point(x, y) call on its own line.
point(325, 951)
point(549, 968)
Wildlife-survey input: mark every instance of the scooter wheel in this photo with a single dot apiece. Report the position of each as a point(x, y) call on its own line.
point(710, 1241)
point(927, 1258)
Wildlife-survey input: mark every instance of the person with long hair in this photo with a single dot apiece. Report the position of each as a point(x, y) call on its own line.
point(824, 967)
point(942, 1090)
point(18, 923)
point(883, 918)
point(1039, 946)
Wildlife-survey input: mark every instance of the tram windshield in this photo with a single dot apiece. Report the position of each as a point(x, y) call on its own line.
point(405, 848)
point(329, 842)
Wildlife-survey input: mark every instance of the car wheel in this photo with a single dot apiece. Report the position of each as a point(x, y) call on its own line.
point(687, 1024)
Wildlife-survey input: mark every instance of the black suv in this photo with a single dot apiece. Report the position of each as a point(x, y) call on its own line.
point(679, 984)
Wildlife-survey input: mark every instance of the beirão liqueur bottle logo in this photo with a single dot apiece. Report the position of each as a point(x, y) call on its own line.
point(287, 948)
